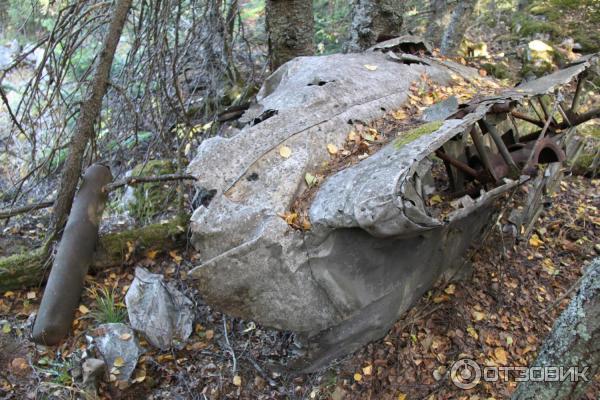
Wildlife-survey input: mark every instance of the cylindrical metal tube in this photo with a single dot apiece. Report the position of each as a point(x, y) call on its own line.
point(73, 258)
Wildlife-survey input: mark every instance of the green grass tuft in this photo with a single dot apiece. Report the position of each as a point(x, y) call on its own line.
point(107, 309)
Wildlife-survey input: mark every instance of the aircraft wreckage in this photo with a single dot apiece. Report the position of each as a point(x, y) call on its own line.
point(315, 222)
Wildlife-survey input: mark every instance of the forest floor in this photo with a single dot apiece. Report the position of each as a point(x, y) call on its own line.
point(498, 317)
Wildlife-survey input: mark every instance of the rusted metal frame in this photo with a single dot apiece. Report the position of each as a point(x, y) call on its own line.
point(564, 115)
point(527, 118)
point(491, 129)
point(542, 133)
point(578, 91)
point(459, 165)
point(483, 154)
point(545, 110)
point(512, 119)
point(537, 112)
point(450, 174)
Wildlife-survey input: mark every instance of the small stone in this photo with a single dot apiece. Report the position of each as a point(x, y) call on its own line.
point(113, 349)
point(93, 370)
point(158, 310)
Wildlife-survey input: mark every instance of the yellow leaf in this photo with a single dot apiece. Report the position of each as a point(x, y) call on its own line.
point(83, 309)
point(9, 294)
point(289, 217)
point(125, 336)
point(176, 257)
point(500, 355)
point(368, 370)
point(450, 289)
point(119, 362)
point(435, 199)
point(130, 250)
point(472, 332)
point(210, 334)
point(306, 225)
point(285, 151)
point(399, 115)
point(428, 100)
point(535, 240)
point(548, 266)
point(151, 254)
point(353, 137)
point(478, 315)
point(237, 380)
point(6, 328)
point(332, 149)
point(357, 377)
point(371, 67)
point(310, 179)
point(440, 299)
point(401, 396)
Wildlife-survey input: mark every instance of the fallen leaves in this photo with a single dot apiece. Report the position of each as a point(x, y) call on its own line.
point(83, 309)
point(175, 256)
point(332, 149)
point(535, 241)
point(478, 315)
point(119, 362)
point(472, 332)
point(371, 67)
point(368, 370)
point(19, 365)
point(237, 380)
point(500, 355)
point(548, 266)
point(310, 179)
point(285, 151)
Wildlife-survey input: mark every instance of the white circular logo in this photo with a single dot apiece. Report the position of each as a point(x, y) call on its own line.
point(465, 374)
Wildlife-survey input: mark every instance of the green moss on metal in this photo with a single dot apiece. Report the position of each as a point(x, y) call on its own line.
point(415, 133)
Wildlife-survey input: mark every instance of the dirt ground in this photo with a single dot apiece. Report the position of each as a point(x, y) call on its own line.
point(499, 316)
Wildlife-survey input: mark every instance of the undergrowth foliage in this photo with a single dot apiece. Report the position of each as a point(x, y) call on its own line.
point(107, 307)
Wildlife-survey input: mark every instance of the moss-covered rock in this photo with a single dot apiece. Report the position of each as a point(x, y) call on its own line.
point(149, 199)
point(588, 161)
point(499, 70)
point(539, 58)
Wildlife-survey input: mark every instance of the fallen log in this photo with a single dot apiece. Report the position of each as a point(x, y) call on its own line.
point(28, 269)
point(73, 258)
point(129, 181)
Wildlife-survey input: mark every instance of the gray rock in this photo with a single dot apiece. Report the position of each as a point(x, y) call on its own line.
point(158, 310)
point(115, 341)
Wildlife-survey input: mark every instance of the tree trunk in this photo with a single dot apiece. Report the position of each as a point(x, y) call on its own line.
point(89, 113)
point(290, 27)
point(439, 21)
point(455, 31)
point(573, 342)
point(374, 21)
point(73, 258)
point(28, 269)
